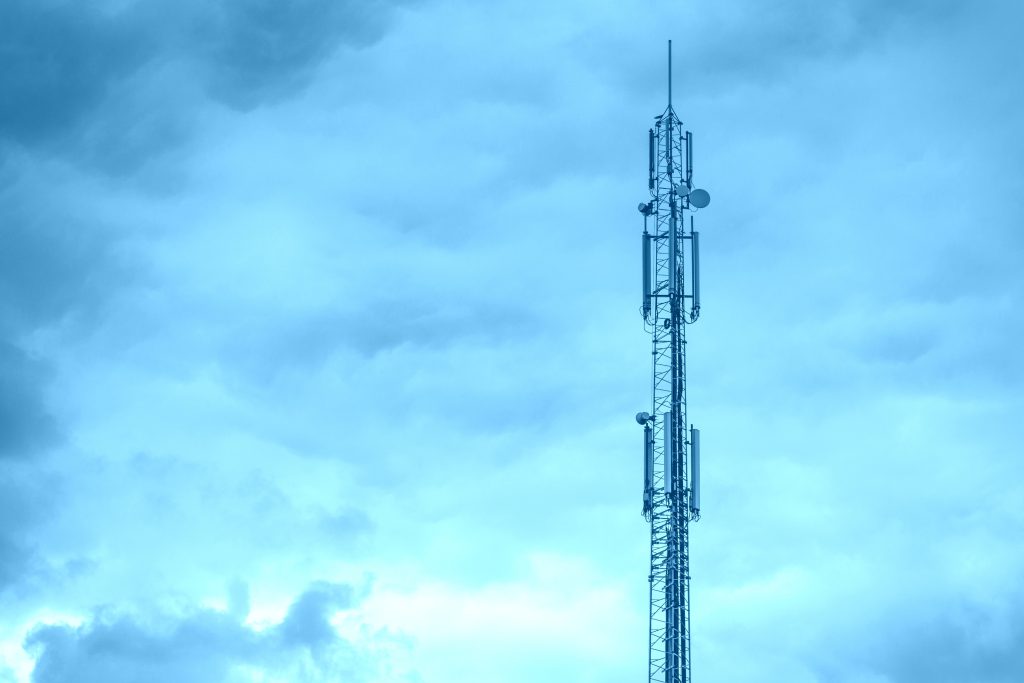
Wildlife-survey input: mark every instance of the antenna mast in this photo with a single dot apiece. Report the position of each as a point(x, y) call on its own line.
point(671, 301)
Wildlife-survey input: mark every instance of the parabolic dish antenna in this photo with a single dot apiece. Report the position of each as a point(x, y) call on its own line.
point(699, 198)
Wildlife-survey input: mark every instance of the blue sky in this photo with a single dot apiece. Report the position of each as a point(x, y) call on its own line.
point(320, 343)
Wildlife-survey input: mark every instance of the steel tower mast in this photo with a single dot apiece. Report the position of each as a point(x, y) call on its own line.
point(671, 301)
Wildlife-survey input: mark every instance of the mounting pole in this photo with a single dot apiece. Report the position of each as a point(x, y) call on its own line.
point(670, 73)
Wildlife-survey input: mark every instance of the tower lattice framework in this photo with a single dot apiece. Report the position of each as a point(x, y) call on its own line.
point(671, 450)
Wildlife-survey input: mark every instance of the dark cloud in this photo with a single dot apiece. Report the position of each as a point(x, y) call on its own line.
point(113, 89)
point(349, 524)
point(264, 49)
point(24, 497)
point(52, 263)
point(61, 60)
point(203, 646)
point(307, 620)
point(392, 323)
point(964, 643)
point(25, 423)
point(795, 31)
point(53, 268)
point(13, 513)
point(726, 46)
point(950, 641)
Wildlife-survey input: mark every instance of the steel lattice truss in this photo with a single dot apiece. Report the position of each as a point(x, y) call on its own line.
point(669, 502)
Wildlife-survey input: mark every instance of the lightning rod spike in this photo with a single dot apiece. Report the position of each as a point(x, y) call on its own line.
point(670, 74)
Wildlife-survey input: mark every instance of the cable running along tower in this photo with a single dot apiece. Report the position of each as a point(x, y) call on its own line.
point(671, 301)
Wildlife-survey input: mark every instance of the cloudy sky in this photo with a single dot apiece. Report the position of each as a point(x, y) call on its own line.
point(320, 343)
